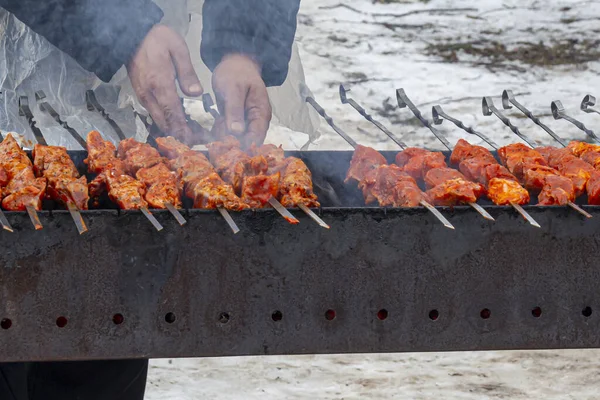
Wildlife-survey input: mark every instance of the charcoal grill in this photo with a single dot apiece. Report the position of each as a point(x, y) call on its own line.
point(380, 280)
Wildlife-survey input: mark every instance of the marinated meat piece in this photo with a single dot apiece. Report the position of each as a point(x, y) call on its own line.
point(295, 186)
point(258, 189)
point(391, 187)
point(465, 151)
point(593, 188)
point(558, 191)
point(64, 182)
point(455, 191)
point(170, 147)
point(22, 187)
point(211, 192)
point(363, 161)
point(162, 186)
point(136, 155)
point(274, 155)
point(504, 192)
point(438, 176)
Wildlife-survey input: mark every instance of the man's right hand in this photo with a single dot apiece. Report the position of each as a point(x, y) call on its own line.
point(160, 60)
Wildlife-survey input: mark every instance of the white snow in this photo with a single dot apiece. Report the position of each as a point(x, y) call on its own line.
point(342, 45)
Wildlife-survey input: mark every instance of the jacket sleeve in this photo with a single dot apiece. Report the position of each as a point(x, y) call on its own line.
point(100, 35)
point(264, 29)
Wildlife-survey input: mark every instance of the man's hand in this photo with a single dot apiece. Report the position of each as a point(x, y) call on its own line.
point(242, 98)
point(161, 59)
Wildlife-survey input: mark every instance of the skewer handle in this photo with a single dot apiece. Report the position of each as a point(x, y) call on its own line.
point(94, 104)
point(525, 215)
point(330, 122)
point(225, 214)
point(152, 219)
point(488, 108)
point(558, 112)
point(77, 218)
point(437, 214)
point(283, 211)
point(175, 212)
point(508, 100)
point(404, 101)
point(35, 219)
point(5, 224)
point(312, 215)
point(439, 115)
point(587, 103)
point(346, 100)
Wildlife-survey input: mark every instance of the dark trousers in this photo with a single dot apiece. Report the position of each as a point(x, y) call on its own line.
point(77, 380)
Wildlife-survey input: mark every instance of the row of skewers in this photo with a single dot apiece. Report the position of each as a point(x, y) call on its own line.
point(137, 176)
point(557, 175)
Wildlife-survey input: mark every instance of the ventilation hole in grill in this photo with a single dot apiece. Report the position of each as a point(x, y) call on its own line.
point(277, 315)
point(382, 314)
point(434, 315)
point(118, 319)
point(224, 318)
point(485, 313)
point(170, 318)
point(61, 322)
point(587, 311)
point(536, 312)
point(330, 315)
point(6, 323)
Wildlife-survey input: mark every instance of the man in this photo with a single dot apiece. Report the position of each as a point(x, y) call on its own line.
point(247, 45)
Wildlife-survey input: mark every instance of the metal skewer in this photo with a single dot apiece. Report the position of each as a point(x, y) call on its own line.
point(488, 108)
point(151, 218)
point(508, 100)
point(34, 217)
point(438, 117)
point(94, 105)
point(346, 100)
point(307, 96)
point(47, 108)
point(25, 111)
point(558, 112)
point(404, 101)
point(4, 222)
point(76, 215)
point(313, 216)
point(587, 103)
point(208, 104)
point(283, 211)
point(175, 212)
point(225, 214)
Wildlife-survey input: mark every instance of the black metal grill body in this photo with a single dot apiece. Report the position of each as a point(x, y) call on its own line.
point(124, 290)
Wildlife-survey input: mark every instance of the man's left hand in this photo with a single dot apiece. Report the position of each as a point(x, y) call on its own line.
point(242, 98)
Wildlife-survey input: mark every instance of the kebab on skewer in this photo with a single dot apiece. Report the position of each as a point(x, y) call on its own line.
point(248, 175)
point(23, 191)
point(145, 163)
point(295, 182)
point(388, 185)
point(199, 180)
point(124, 190)
point(446, 186)
point(64, 183)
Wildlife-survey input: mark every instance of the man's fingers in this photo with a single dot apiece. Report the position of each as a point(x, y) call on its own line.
point(149, 102)
point(232, 104)
point(258, 114)
point(172, 110)
point(186, 75)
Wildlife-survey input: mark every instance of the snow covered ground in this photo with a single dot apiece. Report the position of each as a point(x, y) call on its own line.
point(377, 54)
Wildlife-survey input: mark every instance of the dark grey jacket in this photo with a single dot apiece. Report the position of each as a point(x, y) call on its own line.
point(103, 35)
